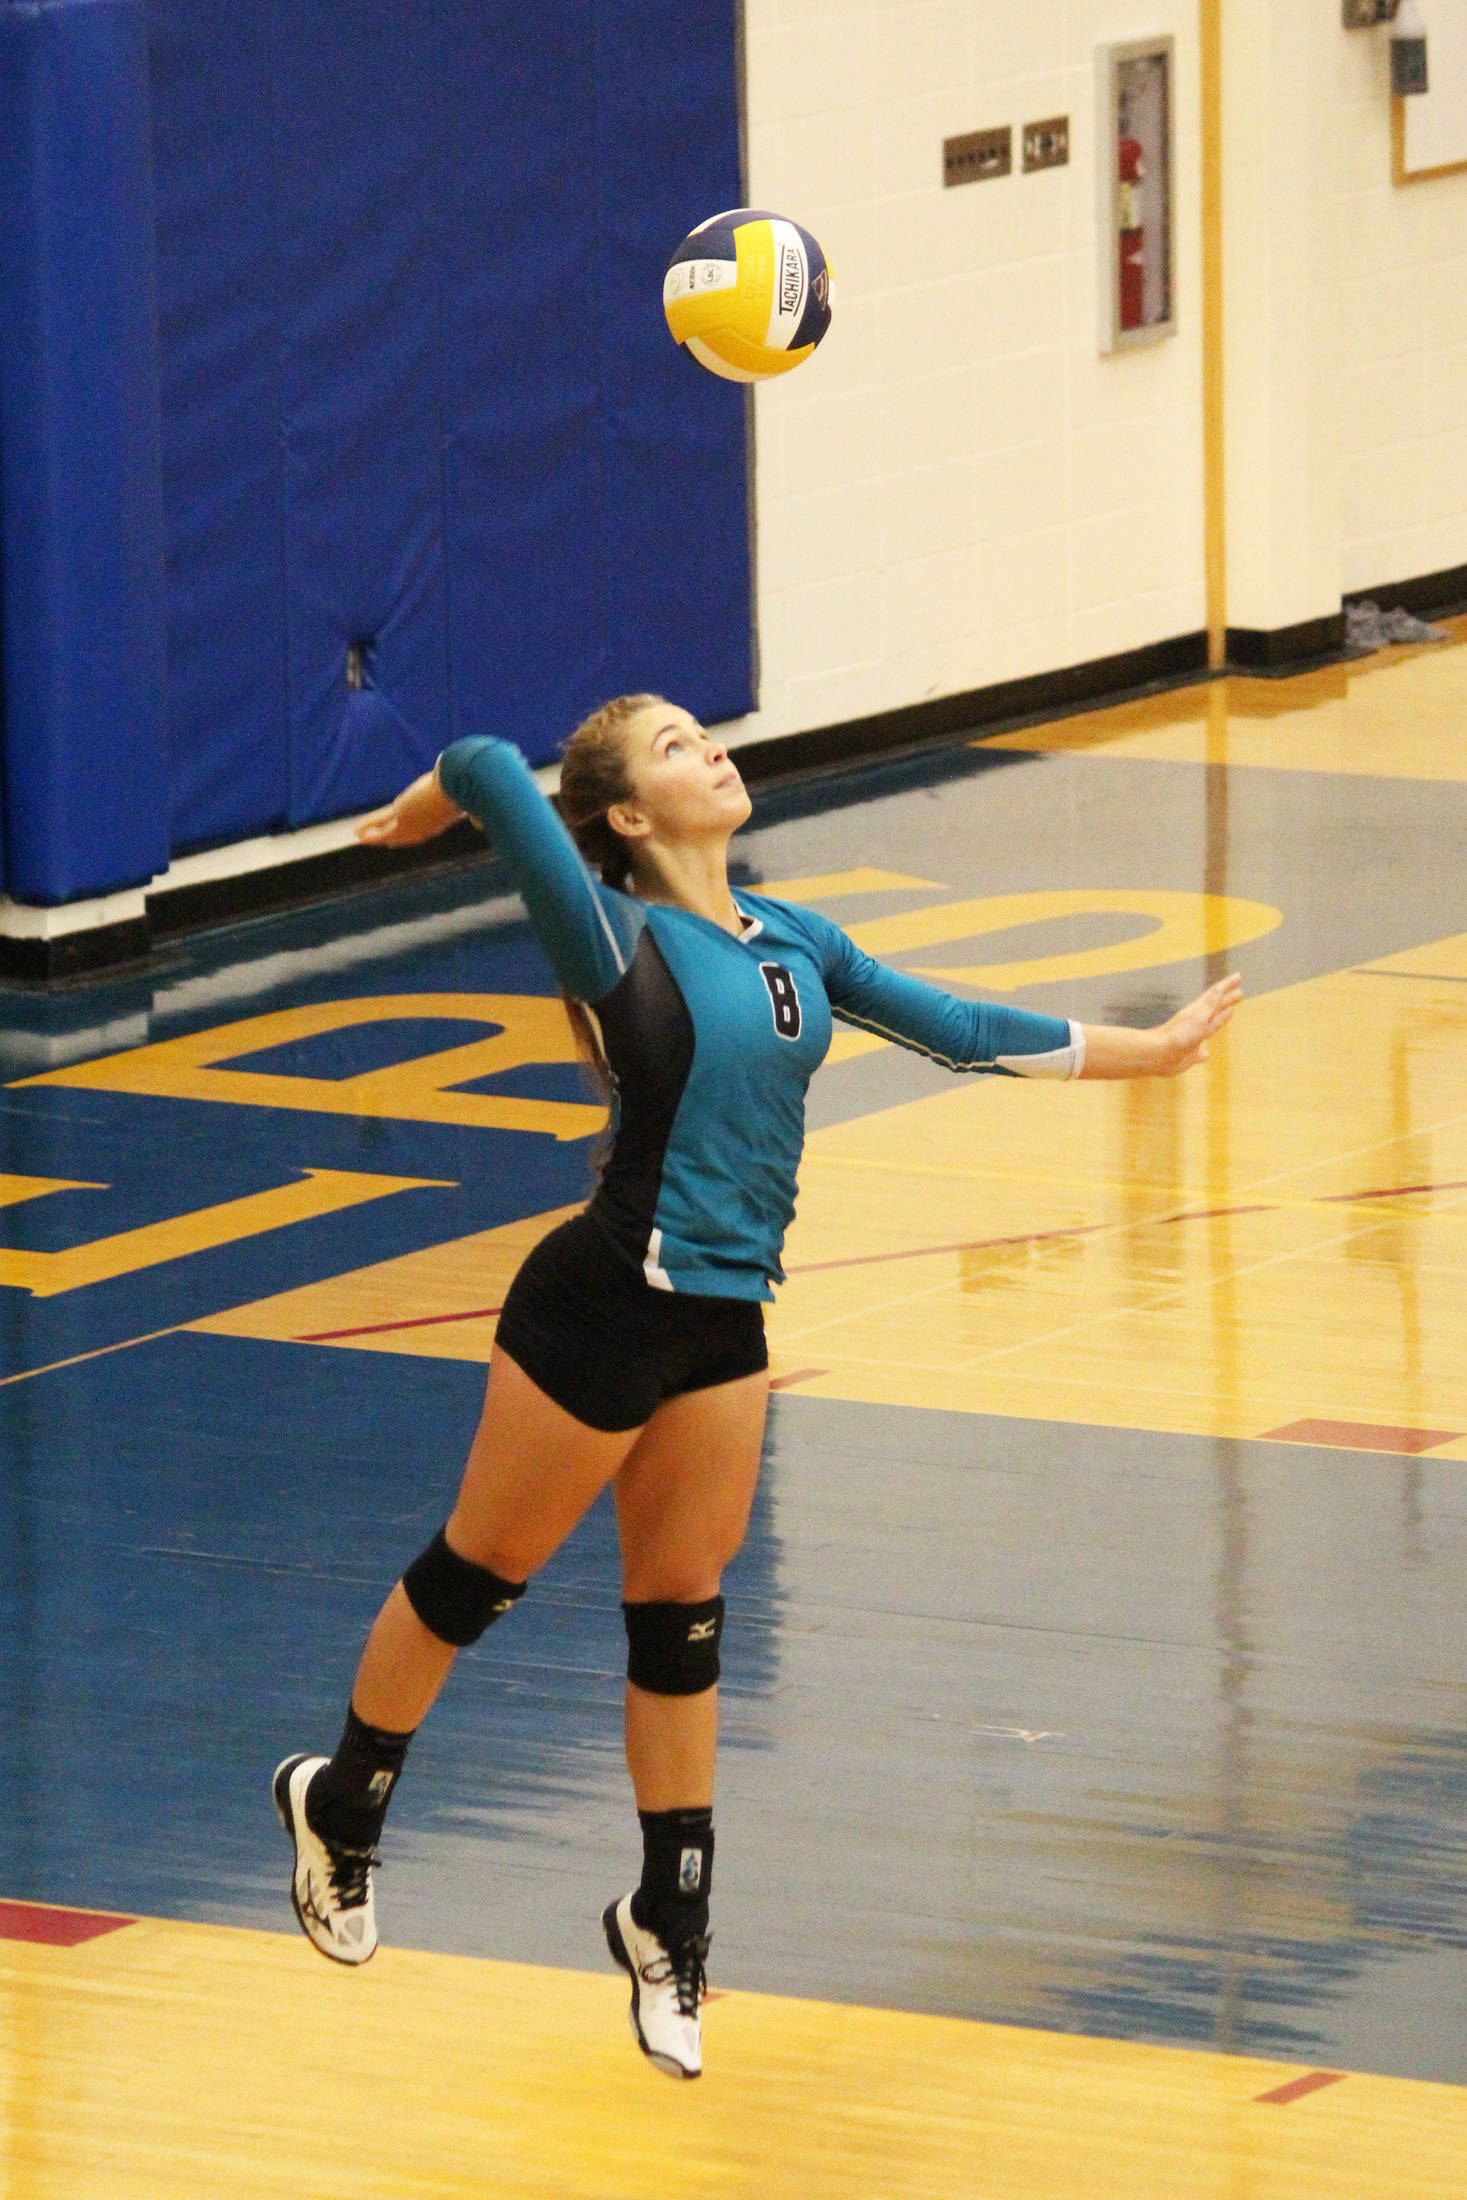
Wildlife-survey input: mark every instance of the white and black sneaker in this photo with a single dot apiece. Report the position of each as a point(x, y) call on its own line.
point(668, 1985)
point(331, 1887)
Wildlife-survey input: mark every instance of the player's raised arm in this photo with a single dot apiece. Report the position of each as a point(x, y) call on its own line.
point(419, 813)
point(1114, 1050)
point(587, 932)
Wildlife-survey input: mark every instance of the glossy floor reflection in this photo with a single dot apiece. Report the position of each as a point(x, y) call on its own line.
point(1098, 1659)
point(450, 2077)
point(1161, 1742)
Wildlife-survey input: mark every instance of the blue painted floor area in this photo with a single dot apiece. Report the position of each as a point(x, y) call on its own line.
point(1149, 1736)
point(1046, 1725)
point(156, 1157)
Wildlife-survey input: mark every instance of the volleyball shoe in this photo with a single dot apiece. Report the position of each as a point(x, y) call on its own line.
point(331, 1887)
point(668, 1985)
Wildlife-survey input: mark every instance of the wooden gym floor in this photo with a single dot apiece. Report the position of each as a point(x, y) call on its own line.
point(1093, 1810)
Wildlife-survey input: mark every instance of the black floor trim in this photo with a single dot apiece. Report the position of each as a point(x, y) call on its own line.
point(102, 950)
point(1276, 652)
point(1009, 703)
point(1429, 595)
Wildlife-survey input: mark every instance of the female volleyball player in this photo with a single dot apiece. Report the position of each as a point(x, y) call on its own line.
point(631, 1346)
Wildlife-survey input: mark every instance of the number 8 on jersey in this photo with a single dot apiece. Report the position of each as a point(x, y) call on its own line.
point(784, 999)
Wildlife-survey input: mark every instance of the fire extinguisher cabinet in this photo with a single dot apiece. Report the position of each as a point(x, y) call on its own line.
point(1137, 241)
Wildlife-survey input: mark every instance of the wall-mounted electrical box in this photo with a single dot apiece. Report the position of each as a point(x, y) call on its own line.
point(979, 155)
point(1135, 106)
point(1046, 144)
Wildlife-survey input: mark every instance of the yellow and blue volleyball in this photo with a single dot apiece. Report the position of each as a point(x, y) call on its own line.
point(748, 294)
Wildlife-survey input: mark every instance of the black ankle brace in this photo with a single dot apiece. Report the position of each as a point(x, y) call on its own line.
point(347, 1800)
point(677, 1873)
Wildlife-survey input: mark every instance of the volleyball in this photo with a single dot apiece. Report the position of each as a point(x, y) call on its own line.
point(748, 294)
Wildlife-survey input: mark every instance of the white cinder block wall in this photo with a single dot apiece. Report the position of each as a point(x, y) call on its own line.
point(959, 488)
point(1403, 369)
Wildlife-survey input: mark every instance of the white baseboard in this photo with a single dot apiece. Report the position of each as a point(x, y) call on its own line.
point(267, 852)
point(21, 920)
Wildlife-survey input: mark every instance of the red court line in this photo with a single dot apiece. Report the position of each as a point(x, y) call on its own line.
point(52, 1928)
point(1212, 1214)
point(417, 1321)
point(914, 1252)
point(967, 1245)
point(1311, 2082)
point(1394, 1191)
point(917, 1252)
point(801, 1375)
point(1086, 1229)
point(1361, 1436)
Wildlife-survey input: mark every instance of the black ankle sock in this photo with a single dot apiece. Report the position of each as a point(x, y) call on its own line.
point(347, 1800)
point(677, 1874)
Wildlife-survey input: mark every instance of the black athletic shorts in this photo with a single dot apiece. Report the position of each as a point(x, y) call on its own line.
point(589, 1329)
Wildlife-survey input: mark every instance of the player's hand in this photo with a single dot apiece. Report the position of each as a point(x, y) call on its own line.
point(1182, 1040)
point(419, 812)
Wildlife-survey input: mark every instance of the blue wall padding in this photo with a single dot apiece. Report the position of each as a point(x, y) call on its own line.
point(527, 489)
point(219, 307)
point(82, 593)
point(418, 392)
point(358, 116)
point(678, 583)
point(420, 413)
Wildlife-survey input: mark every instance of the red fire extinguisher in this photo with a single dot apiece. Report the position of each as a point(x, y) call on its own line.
point(1131, 242)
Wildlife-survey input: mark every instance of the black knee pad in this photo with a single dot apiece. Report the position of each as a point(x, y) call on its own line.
point(673, 1648)
point(455, 1599)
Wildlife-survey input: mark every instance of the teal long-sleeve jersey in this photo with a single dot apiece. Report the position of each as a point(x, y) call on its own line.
point(710, 1041)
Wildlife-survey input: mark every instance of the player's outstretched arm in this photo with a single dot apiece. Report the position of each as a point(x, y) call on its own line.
point(1112, 1050)
point(417, 814)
